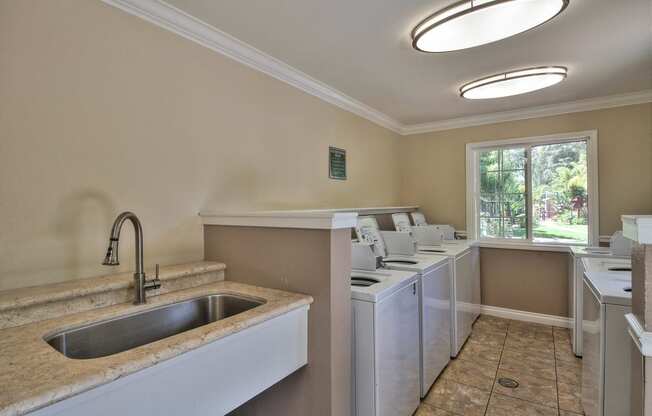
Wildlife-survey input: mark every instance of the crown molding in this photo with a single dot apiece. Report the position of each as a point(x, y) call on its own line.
point(177, 21)
point(589, 104)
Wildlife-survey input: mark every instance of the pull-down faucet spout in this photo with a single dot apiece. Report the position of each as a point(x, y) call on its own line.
point(141, 284)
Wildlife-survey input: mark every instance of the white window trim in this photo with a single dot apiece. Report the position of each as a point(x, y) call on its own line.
point(472, 185)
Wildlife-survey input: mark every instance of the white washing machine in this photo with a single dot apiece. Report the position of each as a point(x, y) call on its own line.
point(434, 296)
point(575, 279)
point(606, 366)
point(464, 263)
point(385, 343)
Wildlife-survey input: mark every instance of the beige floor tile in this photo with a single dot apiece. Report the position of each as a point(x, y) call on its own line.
point(493, 322)
point(569, 372)
point(500, 405)
point(475, 373)
point(488, 338)
point(483, 327)
point(529, 326)
point(567, 413)
point(534, 368)
point(570, 397)
point(530, 356)
point(564, 352)
point(559, 329)
point(458, 398)
point(427, 410)
point(493, 319)
point(516, 342)
point(533, 389)
point(473, 349)
point(538, 334)
point(561, 334)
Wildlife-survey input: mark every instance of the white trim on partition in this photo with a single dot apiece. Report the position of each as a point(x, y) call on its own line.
point(310, 219)
point(177, 21)
point(514, 314)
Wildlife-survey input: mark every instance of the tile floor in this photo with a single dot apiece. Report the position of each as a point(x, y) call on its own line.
point(539, 357)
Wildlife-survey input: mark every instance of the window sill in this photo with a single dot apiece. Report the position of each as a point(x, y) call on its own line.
point(558, 248)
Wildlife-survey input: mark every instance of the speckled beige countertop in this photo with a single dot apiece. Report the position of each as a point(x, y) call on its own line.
point(34, 375)
point(28, 296)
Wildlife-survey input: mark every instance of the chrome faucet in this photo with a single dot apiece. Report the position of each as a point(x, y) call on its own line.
point(141, 284)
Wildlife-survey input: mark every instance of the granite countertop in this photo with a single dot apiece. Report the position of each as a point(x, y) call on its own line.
point(34, 375)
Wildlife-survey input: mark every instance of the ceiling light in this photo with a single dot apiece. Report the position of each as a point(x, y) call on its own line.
point(513, 82)
point(471, 23)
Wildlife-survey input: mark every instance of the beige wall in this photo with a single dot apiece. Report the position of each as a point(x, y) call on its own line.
point(433, 176)
point(101, 111)
point(434, 164)
point(320, 267)
point(533, 281)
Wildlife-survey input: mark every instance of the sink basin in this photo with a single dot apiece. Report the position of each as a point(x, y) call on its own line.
point(130, 331)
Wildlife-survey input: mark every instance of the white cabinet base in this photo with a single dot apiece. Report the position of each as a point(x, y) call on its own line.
point(210, 380)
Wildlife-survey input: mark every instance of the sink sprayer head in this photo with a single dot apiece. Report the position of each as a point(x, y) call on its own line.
point(111, 258)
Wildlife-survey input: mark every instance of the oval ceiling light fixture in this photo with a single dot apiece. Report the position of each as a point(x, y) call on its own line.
point(471, 23)
point(513, 82)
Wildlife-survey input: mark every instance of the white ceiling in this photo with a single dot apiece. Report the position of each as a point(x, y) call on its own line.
point(363, 49)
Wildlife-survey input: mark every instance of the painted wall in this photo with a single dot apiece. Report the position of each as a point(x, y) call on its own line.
point(321, 269)
point(434, 164)
point(101, 112)
point(542, 288)
point(433, 168)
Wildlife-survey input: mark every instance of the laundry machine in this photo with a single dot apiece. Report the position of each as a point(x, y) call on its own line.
point(619, 266)
point(433, 288)
point(385, 343)
point(575, 279)
point(606, 366)
point(464, 263)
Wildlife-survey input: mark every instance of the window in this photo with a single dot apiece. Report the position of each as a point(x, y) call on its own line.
point(541, 189)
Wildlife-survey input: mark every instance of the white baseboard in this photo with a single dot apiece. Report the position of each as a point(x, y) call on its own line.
point(517, 315)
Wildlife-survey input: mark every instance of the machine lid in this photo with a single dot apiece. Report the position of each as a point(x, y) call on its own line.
point(363, 281)
point(606, 264)
point(609, 287)
point(427, 249)
point(376, 286)
point(598, 252)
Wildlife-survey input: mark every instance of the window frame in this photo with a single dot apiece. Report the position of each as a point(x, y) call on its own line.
point(473, 150)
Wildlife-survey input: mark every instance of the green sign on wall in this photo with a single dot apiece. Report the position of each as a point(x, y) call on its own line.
point(336, 163)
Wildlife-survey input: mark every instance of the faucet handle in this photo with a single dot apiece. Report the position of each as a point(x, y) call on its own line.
point(154, 283)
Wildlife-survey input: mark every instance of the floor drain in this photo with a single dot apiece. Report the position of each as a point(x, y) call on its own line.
point(508, 382)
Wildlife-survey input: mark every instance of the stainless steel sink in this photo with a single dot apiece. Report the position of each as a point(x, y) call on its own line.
point(130, 331)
